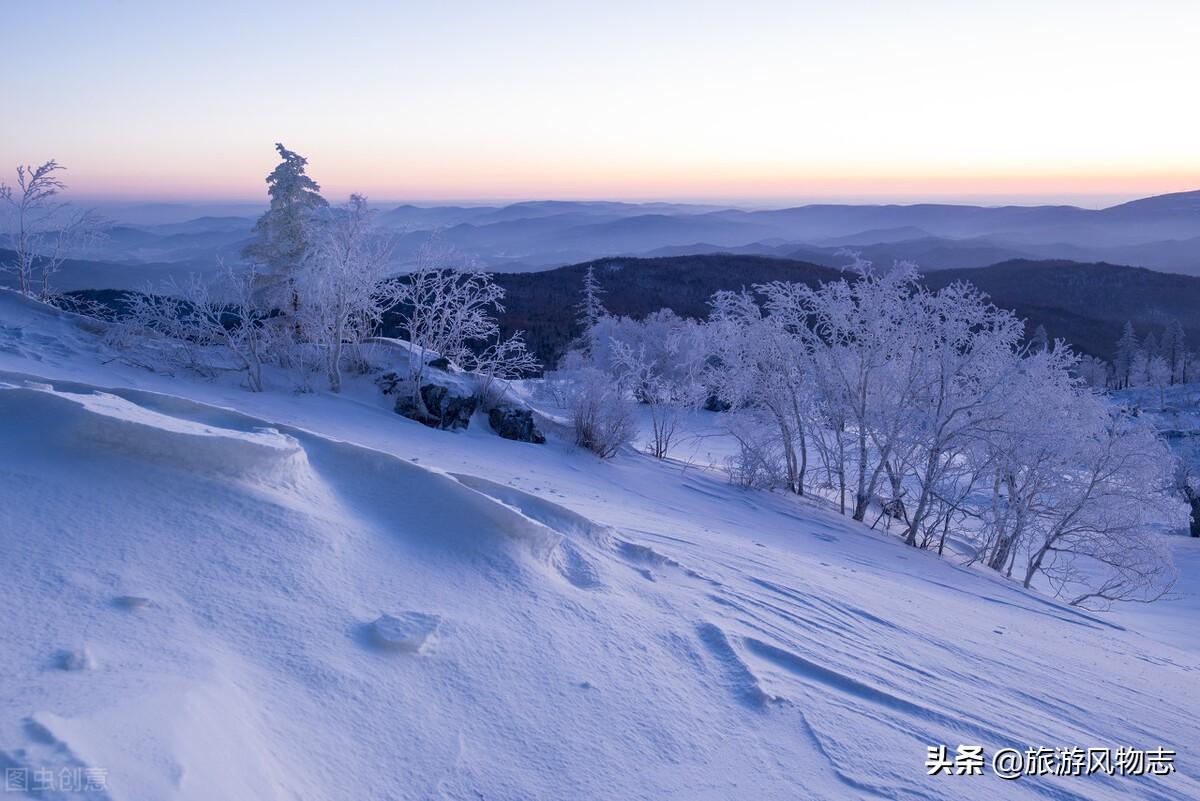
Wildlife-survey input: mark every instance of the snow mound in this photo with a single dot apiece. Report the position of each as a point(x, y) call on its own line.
point(548, 513)
point(735, 675)
point(105, 421)
point(569, 555)
point(407, 631)
point(41, 334)
point(262, 547)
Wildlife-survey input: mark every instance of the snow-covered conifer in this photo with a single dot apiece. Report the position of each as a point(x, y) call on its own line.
point(1127, 348)
point(282, 231)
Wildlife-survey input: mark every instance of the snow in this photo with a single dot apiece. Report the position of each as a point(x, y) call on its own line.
point(408, 631)
point(283, 595)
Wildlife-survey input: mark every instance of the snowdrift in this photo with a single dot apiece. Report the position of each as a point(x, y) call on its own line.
point(309, 597)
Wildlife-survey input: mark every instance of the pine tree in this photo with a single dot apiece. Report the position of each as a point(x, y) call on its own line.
point(1174, 350)
point(1127, 348)
point(1150, 346)
point(591, 308)
point(281, 230)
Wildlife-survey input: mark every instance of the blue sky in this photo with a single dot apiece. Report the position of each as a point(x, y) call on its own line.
point(749, 101)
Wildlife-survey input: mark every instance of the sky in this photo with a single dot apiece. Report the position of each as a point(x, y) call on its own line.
point(740, 102)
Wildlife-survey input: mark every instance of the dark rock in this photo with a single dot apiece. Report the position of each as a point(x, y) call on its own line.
point(388, 382)
point(512, 422)
point(446, 409)
point(713, 403)
point(440, 363)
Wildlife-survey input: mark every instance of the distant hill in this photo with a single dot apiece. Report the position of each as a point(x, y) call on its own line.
point(542, 304)
point(1161, 232)
point(1184, 204)
point(82, 274)
point(1085, 304)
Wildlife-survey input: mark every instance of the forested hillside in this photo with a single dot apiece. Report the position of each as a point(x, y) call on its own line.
point(1085, 304)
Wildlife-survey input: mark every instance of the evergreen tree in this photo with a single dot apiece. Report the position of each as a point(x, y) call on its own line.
point(591, 309)
point(1150, 346)
point(1127, 348)
point(282, 229)
point(1174, 350)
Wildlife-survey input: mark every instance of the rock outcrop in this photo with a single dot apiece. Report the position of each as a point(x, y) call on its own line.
point(447, 406)
point(444, 408)
point(514, 422)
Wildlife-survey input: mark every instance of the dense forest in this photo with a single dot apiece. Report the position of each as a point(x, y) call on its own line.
point(1085, 304)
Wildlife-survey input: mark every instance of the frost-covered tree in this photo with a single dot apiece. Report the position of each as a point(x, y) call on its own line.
point(601, 414)
point(591, 306)
point(340, 284)
point(1075, 489)
point(659, 360)
point(1150, 346)
point(1025, 453)
point(204, 325)
point(451, 313)
point(865, 332)
point(1139, 370)
point(1094, 539)
point(42, 228)
point(282, 232)
point(497, 364)
point(590, 309)
point(1095, 372)
point(1127, 349)
point(1040, 339)
point(1174, 351)
point(760, 367)
point(967, 360)
point(1158, 375)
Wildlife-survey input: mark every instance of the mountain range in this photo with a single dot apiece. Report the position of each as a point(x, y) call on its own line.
point(1160, 233)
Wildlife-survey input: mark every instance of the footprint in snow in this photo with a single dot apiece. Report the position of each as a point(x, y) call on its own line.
point(132, 603)
point(78, 659)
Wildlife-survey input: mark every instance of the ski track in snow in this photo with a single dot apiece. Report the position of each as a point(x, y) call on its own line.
point(284, 602)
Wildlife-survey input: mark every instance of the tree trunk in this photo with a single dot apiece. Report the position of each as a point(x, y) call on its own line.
point(945, 531)
point(803, 462)
point(861, 499)
point(1193, 499)
point(999, 556)
point(1034, 565)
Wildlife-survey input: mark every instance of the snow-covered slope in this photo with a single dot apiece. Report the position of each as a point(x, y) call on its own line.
point(212, 594)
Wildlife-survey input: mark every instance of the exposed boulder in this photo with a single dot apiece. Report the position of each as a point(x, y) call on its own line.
point(713, 403)
point(449, 401)
point(389, 383)
point(514, 422)
point(447, 408)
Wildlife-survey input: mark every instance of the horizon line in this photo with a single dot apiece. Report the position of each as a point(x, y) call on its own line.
point(1098, 200)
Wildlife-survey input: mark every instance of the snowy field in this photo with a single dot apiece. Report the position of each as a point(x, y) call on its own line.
point(213, 594)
